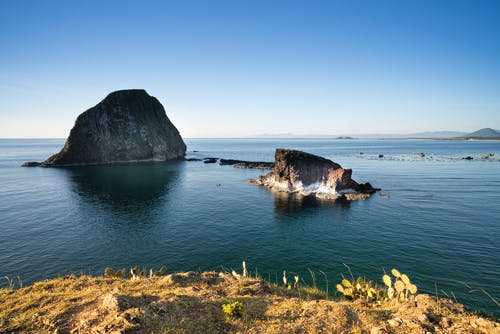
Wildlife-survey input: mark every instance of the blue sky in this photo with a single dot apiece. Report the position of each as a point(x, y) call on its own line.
point(243, 68)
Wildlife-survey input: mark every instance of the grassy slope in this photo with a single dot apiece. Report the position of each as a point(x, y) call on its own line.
point(191, 303)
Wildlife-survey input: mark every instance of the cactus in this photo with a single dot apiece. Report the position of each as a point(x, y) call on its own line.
point(135, 272)
point(390, 292)
point(109, 272)
point(360, 289)
point(397, 288)
point(396, 273)
point(387, 280)
point(402, 289)
point(157, 273)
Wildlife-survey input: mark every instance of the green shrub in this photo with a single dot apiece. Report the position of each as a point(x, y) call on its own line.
point(233, 310)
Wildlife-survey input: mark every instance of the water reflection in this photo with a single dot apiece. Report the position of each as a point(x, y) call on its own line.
point(124, 187)
point(289, 203)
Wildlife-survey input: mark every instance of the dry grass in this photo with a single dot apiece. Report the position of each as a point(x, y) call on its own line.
point(191, 303)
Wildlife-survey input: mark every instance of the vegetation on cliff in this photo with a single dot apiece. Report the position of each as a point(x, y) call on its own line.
point(213, 302)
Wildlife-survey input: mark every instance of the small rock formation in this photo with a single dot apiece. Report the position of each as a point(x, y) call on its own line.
point(296, 171)
point(127, 126)
point(31, 164)
point(380, 155)
point(255, 165)
point(421, 154)
point(210, 160)
point(247, 164)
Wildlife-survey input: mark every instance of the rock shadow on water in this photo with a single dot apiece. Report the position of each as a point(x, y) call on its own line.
point(291, 203)
point(125, 188)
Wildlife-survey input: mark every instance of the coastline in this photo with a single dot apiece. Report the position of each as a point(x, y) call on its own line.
point(194, 302)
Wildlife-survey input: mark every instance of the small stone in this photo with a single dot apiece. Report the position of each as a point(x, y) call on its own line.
point(395, 322)
point(115, 302)
point(445, 322)
point(422, 318)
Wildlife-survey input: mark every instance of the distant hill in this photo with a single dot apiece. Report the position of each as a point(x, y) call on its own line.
point(437, 134)
point(483, 133)
point(486, 133)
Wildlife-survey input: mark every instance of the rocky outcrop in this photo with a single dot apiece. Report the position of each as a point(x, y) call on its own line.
point(296, 171)
point(247, 164)
point(127, 126)
point(31, 164)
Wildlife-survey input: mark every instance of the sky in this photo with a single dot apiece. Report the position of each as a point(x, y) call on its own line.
point(246, 68)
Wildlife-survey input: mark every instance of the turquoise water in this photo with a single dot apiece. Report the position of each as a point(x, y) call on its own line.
point(440, 225)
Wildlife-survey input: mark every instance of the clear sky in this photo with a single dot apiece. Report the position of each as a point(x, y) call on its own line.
point(243, 68)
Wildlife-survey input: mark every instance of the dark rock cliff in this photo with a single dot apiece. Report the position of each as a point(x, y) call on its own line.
point(296, 171)
point(127, 126)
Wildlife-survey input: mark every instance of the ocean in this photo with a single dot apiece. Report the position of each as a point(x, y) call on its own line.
point(440, 222)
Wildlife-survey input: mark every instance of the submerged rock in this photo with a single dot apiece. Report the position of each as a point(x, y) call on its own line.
point(296, 171)
point(127, 126)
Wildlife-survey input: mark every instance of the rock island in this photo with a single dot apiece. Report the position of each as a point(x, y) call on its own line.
point(308, 174)
point(127, 126)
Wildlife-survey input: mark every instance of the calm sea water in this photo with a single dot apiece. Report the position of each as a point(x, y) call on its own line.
point(440, 225)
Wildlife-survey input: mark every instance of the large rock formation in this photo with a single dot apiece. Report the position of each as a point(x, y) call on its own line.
point(296, 171)
point(127, 126)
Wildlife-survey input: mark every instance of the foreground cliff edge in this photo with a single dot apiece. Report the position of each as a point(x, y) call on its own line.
point(308, 174)
point(214, 302)
point(127, 126)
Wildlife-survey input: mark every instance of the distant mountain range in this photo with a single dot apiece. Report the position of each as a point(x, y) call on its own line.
point(483, 134)
point(437, 134)
point(486, 133)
